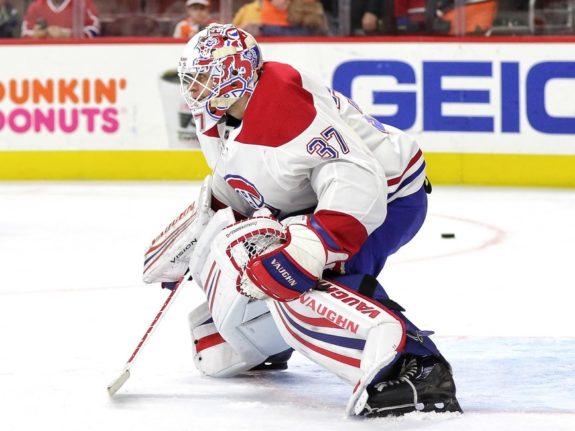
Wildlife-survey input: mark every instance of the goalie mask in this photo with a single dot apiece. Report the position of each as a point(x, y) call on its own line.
point(219, 65)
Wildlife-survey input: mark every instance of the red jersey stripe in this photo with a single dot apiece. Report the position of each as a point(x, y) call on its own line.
point(414, 159)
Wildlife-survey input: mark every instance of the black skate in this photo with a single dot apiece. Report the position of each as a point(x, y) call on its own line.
point(422, 384)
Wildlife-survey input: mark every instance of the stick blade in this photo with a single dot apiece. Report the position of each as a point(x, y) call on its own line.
point(118, 383)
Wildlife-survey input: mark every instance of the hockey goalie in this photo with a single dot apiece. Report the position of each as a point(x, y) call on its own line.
point(307, 198)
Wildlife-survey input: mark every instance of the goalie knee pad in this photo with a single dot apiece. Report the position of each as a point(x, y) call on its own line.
point(247, 338)
point(213, 356)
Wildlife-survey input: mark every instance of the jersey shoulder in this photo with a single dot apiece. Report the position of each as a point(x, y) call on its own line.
point(280, 109)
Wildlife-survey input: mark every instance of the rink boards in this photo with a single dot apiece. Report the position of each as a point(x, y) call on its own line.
point(485, 111)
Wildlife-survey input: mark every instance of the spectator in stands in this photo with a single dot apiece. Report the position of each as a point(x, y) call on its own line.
point(292, 18)
point(274, 18)
point(373, 16)
point(440, 16)
point(309, 15)
point(249, 17)
point(9, 20)
point(198, 13)
point(370, 16)
point(54, 19)
point(410, 15)
point(477, 17)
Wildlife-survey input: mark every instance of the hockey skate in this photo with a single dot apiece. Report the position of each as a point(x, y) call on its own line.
point(423, 384)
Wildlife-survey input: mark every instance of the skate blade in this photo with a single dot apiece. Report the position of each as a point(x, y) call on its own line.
point(449, 406)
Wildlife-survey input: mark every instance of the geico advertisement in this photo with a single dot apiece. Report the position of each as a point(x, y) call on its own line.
point(439, 89)
point(454, 97)
point(458, 97)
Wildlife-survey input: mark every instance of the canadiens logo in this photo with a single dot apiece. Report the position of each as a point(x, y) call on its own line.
point(246, 190)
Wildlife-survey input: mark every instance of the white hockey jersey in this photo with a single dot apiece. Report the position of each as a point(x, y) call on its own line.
point(302, 147)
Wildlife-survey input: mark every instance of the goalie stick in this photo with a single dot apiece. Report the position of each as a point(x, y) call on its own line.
point(117, 383)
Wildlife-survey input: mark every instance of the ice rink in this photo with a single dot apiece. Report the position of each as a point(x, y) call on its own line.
point(500, 297)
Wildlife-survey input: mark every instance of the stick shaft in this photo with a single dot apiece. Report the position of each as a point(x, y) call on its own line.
point(121, 379)
point(153, 325)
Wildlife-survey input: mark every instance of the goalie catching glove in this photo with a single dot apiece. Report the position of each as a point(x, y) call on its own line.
point(292, 268)
point(280, 261)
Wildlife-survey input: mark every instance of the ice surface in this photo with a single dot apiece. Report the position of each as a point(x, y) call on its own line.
point(499, 295)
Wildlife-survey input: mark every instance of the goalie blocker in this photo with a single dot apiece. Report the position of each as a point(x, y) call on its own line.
point(347, 324)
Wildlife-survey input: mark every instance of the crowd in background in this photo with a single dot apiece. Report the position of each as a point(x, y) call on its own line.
point(44, 19)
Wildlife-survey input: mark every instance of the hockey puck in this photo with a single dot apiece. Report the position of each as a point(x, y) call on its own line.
point(447, 235)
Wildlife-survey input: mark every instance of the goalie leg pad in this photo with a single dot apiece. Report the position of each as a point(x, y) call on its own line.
point(351, 335)
point(341, 330)
point(212, 355)
point(245, 325)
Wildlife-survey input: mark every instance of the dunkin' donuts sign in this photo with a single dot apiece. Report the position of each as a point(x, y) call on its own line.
point(65, 105)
